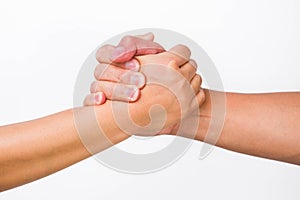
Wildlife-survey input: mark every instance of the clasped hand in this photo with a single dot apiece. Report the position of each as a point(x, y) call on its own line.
point(140, 73)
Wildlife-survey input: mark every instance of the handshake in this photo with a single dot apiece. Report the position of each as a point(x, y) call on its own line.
point(142, 89)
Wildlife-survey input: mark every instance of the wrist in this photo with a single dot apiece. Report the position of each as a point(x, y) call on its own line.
point(204, 119)
point(108, 124)
point(96, 127)
point(205, 116)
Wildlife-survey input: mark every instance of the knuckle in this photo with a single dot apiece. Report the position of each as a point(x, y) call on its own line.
point(96, 74)
point(193, 63)
point(127, 39)
point(109, 93)
point(101, 49)
point(197, 79)
point(191, 70)
point(99, 70)
point(94, 86)
point(202, 97)
point(102, 86)
point(183, 48)
point(118, 75)
point(200, 79)
point(182, 53)
point(100, 54)
point(108, 89)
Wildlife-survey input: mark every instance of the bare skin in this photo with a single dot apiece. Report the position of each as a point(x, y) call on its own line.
point(40, 147)
point(265, 125)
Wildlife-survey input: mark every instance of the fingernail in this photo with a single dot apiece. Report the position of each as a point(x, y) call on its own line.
point(117, 53)
point(98, 98)
point(137, 79)
point(132, 65)
point(133, 78)
point(132, 93)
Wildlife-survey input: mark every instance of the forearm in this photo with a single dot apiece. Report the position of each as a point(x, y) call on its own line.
point(264, 125)
point(34, 149)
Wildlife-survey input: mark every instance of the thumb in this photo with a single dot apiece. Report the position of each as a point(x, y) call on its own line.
point(131, 46)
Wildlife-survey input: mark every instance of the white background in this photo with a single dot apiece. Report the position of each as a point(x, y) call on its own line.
point(254, 44)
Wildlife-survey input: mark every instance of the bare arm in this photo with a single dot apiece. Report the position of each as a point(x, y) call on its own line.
point(265, 125)
point(34, 149)
point(37, 148)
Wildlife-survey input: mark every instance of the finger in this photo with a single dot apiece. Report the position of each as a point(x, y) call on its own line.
point(133, 78)
point(198, 100)
point(133, 63)
point(148, 36)
point(131, 46)
point(104, 52)
point(95, 99)
point(193, 62)
point(182, 53)
point(103, 56)
point(188, 70)
point(196, 83)
point(116, 91)
point(106, 72)
point(201, 96)
point(127, 49)
point(172, 64)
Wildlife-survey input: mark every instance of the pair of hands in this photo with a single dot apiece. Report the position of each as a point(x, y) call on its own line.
point(139, 70)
